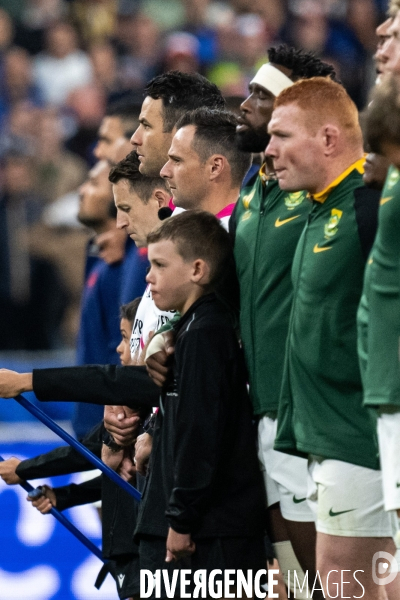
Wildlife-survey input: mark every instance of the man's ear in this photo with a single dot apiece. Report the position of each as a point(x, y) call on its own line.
point(162, 196)
point(217, 164)
point(330, 139)
point(200, 272)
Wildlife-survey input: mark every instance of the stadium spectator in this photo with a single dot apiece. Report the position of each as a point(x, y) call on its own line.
point(61, 67)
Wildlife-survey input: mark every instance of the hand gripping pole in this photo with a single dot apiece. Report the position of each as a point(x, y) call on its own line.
point(67, 524)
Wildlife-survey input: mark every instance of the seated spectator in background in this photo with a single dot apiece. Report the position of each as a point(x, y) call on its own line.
point(32, 296)
point(59, 171)
point(320, 28)
point(94, 20)
point(86, 106)
point(61, 67)
point(138, 42)
point(204, 498)
point(17, 83)
point(106, 71)
point(181, 53)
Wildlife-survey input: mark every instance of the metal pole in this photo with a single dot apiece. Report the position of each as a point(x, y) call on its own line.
point(64, 521)
point(39, 414)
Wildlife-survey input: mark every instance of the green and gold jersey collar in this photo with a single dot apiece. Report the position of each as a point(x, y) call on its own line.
point(322, 196)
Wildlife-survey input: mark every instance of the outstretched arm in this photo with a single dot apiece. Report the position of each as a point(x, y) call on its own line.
point(93, 384)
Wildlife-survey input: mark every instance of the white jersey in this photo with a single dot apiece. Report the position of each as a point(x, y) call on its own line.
point(148, 318)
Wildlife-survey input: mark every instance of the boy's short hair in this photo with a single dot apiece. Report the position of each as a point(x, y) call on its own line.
point(128, 311)
point(197, 234)
point(128, 168)
point(216, 134)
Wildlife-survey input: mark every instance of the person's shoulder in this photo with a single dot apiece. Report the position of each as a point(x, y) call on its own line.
point(207, 314)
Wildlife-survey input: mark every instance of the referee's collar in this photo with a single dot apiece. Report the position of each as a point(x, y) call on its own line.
point(322, 196)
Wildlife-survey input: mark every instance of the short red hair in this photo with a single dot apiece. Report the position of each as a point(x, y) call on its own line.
point(324, 101)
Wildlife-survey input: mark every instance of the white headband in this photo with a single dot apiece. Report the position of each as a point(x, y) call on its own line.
point(272, 79)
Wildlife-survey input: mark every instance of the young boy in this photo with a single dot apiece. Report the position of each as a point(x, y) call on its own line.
point(204, 500)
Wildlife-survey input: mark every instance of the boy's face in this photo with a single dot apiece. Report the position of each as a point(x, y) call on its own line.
point(170, 277)
point(123, 348)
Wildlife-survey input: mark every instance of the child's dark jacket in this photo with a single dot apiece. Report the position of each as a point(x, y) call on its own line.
point(204, 476)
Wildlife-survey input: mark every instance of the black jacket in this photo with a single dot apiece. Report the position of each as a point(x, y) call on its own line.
point(204, 476)
point(97, 384)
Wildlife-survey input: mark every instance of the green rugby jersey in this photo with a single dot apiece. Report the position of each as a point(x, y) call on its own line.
point(321, 409)
point(382, 293)
point(269, 223)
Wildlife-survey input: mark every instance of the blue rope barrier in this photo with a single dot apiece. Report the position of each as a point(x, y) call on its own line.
point(67, 524)
point(39, 414)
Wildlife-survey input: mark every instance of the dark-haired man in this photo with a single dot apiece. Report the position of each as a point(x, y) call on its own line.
point(205, 169)
point(168, 96)
point(116, 129)
point(268, 225)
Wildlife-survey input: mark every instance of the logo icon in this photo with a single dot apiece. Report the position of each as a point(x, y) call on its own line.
point(331, 227)
point(393, 178)
point(278, 222)
point(294, 199)
point(121, 579)
point(317, 249)
point(298, 500)
point(384, 564)
point(340, 512)
point(248, 198)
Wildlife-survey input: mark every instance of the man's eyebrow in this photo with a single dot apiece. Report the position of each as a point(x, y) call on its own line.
point(143, 120)
point(174, 156)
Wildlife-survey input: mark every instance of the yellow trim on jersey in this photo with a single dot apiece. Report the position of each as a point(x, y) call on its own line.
point(322, 196)
point(265, 176)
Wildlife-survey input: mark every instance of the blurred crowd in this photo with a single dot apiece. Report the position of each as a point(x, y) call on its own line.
point(62, 62)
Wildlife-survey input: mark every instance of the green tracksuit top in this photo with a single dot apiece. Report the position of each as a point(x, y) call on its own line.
point(269, 223)
point(321, 408)
point(382, 295)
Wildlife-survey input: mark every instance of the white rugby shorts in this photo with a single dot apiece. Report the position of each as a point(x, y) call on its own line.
point(347, 500)
point(389, 449)
point(285, 476)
